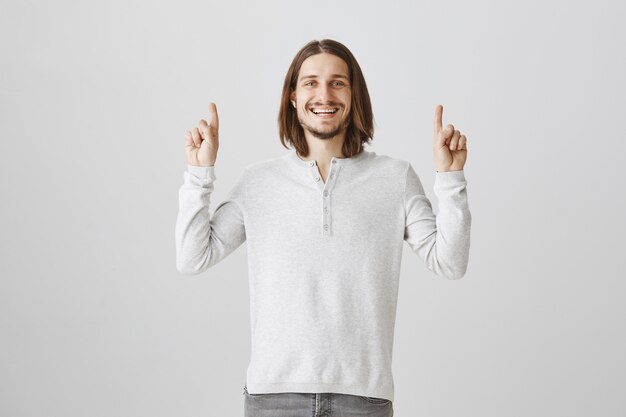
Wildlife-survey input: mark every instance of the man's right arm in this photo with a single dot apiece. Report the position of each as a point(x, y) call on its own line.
point(203, 240)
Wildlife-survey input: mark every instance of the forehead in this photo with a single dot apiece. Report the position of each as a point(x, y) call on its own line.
point(323, 65)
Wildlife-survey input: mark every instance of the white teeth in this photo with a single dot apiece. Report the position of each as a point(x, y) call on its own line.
point(325, 111)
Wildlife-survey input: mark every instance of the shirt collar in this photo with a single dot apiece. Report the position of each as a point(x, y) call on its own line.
point(293, 156)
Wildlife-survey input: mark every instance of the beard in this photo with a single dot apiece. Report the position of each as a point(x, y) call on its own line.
point(324, 134)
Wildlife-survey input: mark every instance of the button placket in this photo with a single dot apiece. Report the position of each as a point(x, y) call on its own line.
point(326, 199)
point(326, 216)
point(325, 191)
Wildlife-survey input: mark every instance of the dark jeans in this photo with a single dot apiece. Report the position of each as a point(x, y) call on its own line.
point(296, 404)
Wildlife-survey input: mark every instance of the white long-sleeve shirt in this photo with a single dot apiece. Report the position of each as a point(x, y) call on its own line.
point(324, 261)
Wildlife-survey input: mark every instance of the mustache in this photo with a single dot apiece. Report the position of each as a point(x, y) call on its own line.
point(324, 104)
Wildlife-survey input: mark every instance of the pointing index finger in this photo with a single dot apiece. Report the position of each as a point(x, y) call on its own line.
point(213, 119)
point(438, 113)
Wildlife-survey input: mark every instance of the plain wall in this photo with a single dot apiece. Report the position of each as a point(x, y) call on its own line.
point(95, 98)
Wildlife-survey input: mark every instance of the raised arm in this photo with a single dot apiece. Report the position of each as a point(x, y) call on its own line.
point(442, 241)
point(203, 240)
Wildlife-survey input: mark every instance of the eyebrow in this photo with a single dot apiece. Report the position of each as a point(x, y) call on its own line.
point(332, 76)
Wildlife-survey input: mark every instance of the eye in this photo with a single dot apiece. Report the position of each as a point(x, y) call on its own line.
point(337, 83)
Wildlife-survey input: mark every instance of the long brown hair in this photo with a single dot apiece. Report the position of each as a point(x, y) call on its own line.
point(361, 127)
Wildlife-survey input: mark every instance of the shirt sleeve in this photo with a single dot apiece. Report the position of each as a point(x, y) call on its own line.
point(442, 241)
point(203, 240)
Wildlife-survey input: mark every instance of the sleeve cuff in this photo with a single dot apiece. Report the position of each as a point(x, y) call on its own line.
point(201, 172)
point(449, 177)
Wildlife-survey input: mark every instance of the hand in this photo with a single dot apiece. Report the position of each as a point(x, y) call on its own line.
point(202, 142)
point(449, 146)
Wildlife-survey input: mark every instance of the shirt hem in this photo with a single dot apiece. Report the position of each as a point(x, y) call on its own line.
point(320, 387)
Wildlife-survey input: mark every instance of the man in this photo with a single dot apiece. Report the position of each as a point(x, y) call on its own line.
point(325, 225)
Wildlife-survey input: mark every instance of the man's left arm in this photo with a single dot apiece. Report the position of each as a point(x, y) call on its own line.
point(442, 241)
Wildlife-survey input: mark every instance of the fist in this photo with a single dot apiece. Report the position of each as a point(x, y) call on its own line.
point(201, 142)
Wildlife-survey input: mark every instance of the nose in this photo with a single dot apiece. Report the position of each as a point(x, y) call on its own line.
point(324, 92)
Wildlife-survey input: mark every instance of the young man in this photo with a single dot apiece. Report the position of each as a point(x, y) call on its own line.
point(325, 225)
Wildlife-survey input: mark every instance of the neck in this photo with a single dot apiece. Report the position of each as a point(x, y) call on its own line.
point(322, 150)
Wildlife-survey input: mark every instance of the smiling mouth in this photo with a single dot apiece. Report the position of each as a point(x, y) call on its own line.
point(330, 111)
point(325, 113)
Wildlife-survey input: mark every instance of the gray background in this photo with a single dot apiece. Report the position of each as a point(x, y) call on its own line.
point(95, 320)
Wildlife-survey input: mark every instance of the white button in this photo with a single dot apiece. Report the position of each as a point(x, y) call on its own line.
point(317, 178)
point(325, 193)
point(325, 227)
point(325, 209)
point(312, 163)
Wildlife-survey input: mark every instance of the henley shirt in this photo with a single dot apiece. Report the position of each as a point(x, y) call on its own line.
point(324, 261)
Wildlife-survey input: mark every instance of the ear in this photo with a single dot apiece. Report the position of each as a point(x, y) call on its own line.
point(292, 97)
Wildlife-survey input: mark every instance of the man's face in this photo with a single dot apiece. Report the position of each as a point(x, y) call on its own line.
point(323, 83)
